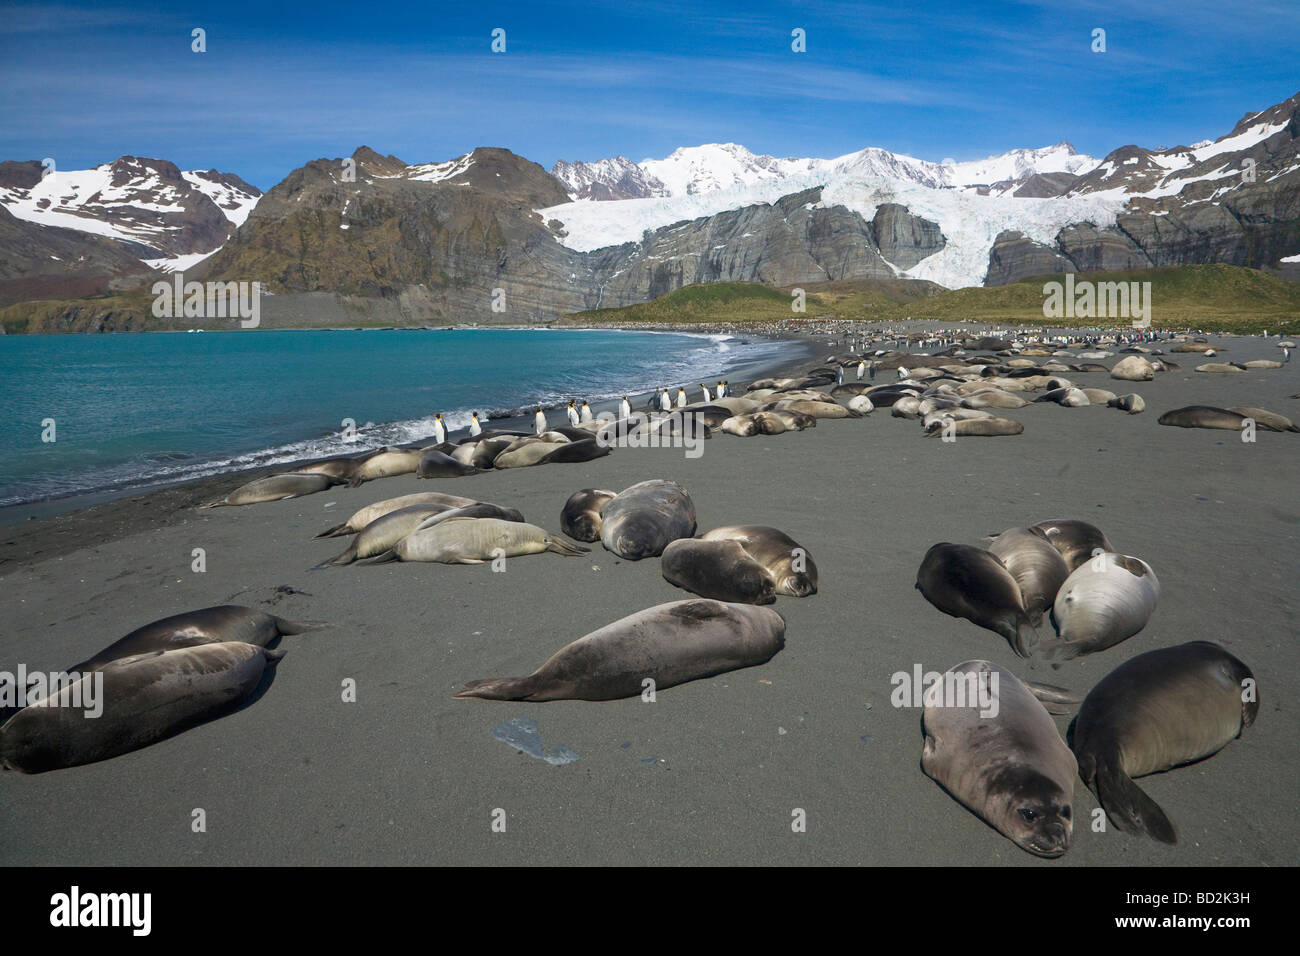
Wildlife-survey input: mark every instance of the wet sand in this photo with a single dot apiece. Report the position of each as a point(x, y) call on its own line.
point(711, 772)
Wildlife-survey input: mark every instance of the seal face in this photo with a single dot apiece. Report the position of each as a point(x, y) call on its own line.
point(1076, 540)
point(668, 644)
point(580, 516)
point(971, 583)
point(641, 520)
point(792, 568)
point(996, 750)
point(1157, 711)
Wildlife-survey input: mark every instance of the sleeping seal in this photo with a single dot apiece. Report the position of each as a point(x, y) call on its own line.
point(275, 488)
point(434, 464)
point(1157, 711)
point(1203, 416)
point(791, 566)
point(1038, 567)
point(1010, 768)
point(721, 570)
point(209, 625)
point(382, 533)
point(669, 644)
point(580, 516)
point(146, 698)
point(474, 541)
point(641, 520)
point(1104, 601)
point(1076, 540)
point(369, 513)
point(971, 583)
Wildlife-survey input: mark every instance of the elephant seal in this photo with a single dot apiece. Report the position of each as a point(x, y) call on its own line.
point(993, 398)
point(743, 426)
point(383, 533)
point(721, 570)
point(1011, 769)
point(1157, 711)
point(434, 464)
point(587, 449)
point(641, 520)
point(369, 513)
point(668, 644)
point(486, 451)
point(1068, 397)
point(524, 454)
point(1220, 367)
point(971, 583)
point(1038, 568)
point(385, 463)
point(474, 541)
point(580, 516)
point(1134, 368)
point(981, 427)
point(275, 488)
point(146, 698)
point(1104, 601)
point(1269, 421)
point(209, 625)
point(1203, 416)
point(791, 566)
point(344, 468)
point(1131, 403)
point(1076, 540)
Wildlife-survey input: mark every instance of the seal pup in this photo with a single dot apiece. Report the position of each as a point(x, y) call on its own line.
point(146, 698)
point(1133, 368)
point(1076, 540)
point(580, 516)
point(1011, 769)
point(1106, 600)
point(275, 488)
point(721, 570)
point(474, 541)
point(210, 625)
point(1157, 711)
point(588, 449)
point(970, 583)
point(668, 644)
point(363, 516)
point(1036, 565)
point(641, 520)
point(790, 564)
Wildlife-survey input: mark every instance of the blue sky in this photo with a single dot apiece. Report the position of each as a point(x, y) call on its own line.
point(283, 83)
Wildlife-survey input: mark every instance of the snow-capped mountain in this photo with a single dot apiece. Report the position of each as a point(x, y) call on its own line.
point(166, 217)
point(606, 179)
point(717, 167)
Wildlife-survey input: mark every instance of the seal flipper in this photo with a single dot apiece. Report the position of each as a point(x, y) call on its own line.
point(1129, 808)
point(1020, 635)
point(335, 532)
point(299, 627)
point(560, 546)
point(499, 688)
point(1055, 700)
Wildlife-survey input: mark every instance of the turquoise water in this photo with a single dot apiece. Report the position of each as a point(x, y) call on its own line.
point(134, 410)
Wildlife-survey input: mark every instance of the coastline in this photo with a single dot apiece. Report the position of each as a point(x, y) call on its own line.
point(37, 530)
point(709, 773)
